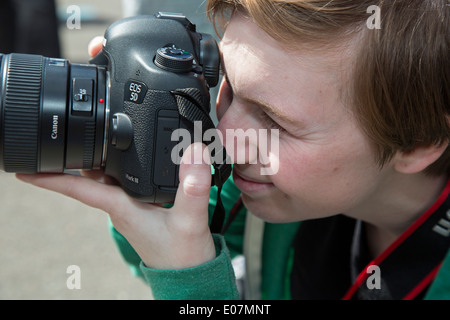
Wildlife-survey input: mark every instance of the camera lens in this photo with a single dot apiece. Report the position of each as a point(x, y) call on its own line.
point(52, 114)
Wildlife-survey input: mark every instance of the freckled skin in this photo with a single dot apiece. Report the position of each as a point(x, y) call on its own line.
point(325, 167)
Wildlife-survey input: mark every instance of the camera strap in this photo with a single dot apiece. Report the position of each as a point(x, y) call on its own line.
point(427, 238)
point(190, 107)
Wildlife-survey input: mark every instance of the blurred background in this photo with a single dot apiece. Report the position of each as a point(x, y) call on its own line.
point(43, 233)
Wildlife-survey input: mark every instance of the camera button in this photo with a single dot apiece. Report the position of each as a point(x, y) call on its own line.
point(122, 131)
point(82, 97)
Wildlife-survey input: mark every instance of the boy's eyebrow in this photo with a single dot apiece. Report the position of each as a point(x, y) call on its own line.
point(269, 109)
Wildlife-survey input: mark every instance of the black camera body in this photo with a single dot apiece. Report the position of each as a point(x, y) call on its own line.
point(119, 113)
point(149, 59)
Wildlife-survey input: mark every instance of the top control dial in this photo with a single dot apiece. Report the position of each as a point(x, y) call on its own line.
point(174, 59)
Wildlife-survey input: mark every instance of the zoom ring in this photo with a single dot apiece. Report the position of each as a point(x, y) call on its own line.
point(21, 113)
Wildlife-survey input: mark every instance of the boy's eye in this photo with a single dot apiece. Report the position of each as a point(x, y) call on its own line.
point(264, 117)
point(269, 122)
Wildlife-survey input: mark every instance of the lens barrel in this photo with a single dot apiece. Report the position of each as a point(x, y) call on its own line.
point(20, 113)
point(52, 114)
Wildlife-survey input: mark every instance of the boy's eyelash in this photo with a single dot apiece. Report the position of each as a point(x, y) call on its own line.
point(270, 123)
point(265, 118)
point(221, 71)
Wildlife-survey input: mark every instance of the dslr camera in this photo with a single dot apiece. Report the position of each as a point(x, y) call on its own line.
point(117, 113)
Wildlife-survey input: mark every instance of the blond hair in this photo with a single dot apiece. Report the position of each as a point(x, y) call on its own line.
point(400, 80)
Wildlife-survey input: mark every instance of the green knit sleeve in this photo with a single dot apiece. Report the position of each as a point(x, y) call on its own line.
point(213, 280)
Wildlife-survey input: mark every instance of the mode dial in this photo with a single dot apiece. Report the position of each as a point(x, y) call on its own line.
point(174, 60)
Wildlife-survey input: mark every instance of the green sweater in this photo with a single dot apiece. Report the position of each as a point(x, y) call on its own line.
point(216, 280)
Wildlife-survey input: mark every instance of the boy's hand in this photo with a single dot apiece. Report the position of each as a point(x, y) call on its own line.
point(173, 238)
point(95, 46)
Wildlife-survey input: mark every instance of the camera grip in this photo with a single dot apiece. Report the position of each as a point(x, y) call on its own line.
point(147, 171)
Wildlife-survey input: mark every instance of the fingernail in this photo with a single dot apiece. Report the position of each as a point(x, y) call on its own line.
point(196, 153)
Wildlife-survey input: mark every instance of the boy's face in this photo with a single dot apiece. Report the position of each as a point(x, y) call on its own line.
point(325, 163)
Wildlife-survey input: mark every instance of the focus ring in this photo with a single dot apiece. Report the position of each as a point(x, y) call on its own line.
point(89, 144)
point(21, 113)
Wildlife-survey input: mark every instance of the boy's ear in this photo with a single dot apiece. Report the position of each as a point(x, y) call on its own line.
point(418, 159)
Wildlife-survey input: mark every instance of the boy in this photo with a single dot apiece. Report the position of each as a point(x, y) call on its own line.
point(358, 206)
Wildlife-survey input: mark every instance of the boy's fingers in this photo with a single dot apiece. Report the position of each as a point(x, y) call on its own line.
point(101, 196)
point(95, 46)
point(195, 183)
